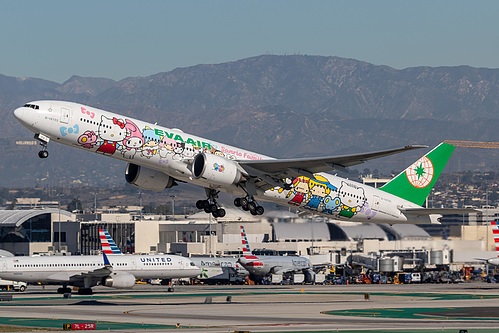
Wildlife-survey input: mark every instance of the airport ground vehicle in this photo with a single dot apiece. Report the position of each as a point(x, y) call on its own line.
point(13, 285)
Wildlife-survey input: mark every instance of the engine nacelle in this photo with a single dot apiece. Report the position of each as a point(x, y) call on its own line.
point(148, 179)
point(216, 169)
point(119, 280)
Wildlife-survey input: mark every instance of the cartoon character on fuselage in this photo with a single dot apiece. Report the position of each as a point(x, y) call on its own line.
point(319, 189)
point(352, 198)
point(151, 145)
point(133, 141)
point(110, 132)
point(300, 191)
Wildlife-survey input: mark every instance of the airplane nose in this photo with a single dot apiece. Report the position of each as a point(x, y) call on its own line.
point(18, 113)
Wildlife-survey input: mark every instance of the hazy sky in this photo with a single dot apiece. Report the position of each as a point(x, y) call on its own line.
point(116, 39)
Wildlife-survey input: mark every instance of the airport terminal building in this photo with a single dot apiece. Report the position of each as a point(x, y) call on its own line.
point(53, 232)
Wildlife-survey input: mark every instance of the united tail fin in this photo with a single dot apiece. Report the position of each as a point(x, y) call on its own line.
point(415, 183)
point(244, 240)
point(495, 233)
point(107, 243)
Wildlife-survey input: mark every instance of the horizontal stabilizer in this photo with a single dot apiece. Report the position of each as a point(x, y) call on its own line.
point(442, 211)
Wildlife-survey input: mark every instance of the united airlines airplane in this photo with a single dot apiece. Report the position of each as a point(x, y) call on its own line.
point(159, 157)
point(84, 272)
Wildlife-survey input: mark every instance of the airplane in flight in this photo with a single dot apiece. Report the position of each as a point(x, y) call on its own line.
point(160, 157)
point(86, 272)
point(260, 266)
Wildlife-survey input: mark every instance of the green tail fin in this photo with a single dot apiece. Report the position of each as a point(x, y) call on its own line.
point(415, 183)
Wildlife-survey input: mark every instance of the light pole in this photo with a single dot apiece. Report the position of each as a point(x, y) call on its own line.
point(173, 206)
point(140, 204)
point(95, 205)
point(59, 195)
point(487, 221)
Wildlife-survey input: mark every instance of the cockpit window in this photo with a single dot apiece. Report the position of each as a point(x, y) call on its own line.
point(193, 264)
point(32, 106)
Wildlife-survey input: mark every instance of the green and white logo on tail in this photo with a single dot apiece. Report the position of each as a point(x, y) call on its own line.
point(415, 183)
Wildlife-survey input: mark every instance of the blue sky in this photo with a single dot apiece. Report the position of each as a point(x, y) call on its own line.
point(117, 39)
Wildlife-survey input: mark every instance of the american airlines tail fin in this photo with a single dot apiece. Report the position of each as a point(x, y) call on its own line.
point(244, 240)
point(415, 183)
point(107, 243)
point(495, 233)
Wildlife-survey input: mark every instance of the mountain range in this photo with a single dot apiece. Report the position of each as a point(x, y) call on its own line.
point(283, 106)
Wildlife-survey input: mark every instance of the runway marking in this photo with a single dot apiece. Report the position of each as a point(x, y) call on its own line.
point(407, 313)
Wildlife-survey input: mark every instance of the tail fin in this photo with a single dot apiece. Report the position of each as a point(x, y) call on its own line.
point(244, 240)
point(495, 232)
point(107, 243)
point(415, 183)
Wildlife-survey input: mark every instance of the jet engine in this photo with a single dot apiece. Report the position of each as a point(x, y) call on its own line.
point(216, 169)
point(119, 280)
point(310, 275)
point(148, 179)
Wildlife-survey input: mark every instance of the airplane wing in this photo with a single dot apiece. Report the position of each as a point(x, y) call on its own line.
point(91, 277)
point(95, 275)
point(279, 270)
point(273, 171)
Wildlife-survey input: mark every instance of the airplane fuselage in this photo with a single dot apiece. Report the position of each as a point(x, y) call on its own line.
point(63, 269)
point(171, 152)
point(264, 265)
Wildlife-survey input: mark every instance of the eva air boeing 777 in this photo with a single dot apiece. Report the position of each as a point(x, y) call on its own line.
point(159, 157)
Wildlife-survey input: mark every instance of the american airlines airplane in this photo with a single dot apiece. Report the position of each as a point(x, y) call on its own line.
point(495, 232)
point(84, 272)
point(260, 266)
point(159, 157)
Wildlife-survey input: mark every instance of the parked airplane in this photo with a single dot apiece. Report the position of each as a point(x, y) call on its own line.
point(495, 232)
point(88, 271)
point(260, 266)
point(158, 157)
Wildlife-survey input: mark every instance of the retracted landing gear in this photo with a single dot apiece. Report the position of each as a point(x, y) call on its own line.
point(248, 204)
point(44, 140)
point(211, 205)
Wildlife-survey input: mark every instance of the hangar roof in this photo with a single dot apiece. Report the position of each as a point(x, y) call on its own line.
point(302, 231)
point(364, 231)
point(346, 231)
point(409, 231)
point(11, 218)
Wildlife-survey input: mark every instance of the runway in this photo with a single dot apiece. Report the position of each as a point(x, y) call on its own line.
point(408, 308)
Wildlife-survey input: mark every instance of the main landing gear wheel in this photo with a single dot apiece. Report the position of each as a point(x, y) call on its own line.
point(85, 291)
point(211, 206)
point(63, 290)
point(249, 205)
